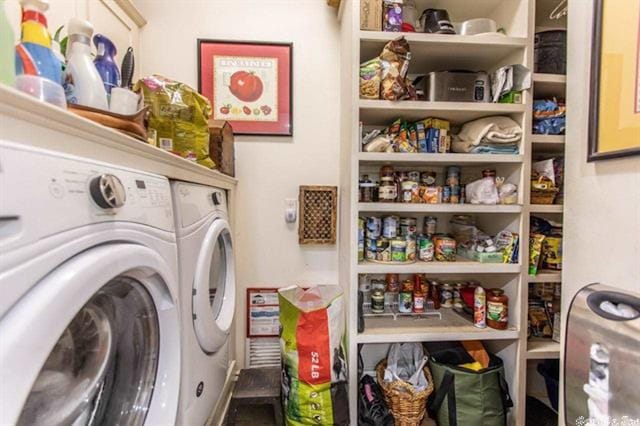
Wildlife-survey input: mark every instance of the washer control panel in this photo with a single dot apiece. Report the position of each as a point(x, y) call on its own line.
point(59, 192)
point(195, 202)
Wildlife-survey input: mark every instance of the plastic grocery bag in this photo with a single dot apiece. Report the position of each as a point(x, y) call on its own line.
point(406, 362)
point(314, 366)
point(178, 118)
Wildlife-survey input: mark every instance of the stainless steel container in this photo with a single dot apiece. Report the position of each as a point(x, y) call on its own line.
point(602, 357)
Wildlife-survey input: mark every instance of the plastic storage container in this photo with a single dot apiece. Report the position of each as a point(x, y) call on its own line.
point(550, 52)
point(42, 88)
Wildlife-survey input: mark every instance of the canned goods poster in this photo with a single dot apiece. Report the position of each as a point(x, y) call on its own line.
point(248, 85)
point(263, 312)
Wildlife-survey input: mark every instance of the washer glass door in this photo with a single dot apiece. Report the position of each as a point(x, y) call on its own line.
point(103, 367)
point(214, 288)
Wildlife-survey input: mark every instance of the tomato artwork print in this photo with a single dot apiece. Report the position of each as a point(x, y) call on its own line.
point(245, 89)
point(249, 85)
point(246, 86)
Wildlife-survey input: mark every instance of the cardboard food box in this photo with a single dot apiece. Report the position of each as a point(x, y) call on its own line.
point(221, 149)
point(371, 15)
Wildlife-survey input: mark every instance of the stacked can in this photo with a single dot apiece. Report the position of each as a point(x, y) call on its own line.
point(452, 191)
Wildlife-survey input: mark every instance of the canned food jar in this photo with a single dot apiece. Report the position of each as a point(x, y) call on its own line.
point(446, 295)
point(387, 172)
point(377, 302)
point(497, 309)
point(393, 282)
point(374, 227)
point(446, 194)
point(407, 286)
point(390, 226)
point(405, 302)
point(453, 176)
point(430, 225)
point(457, 298)
point(371, 248)
point(455, 195)
point(383, 250)
point(366, 190)
point(408, 227)
point(444, 249)
point(398, 250)
point(364, 287)
point(418, 302)
point(428, 178)
point(409, 187)
point(390, 298)
point(413, 175)
point(411, 249)
point(388, 191)
point(360, 239)
point(435, 295)
point(425, 248)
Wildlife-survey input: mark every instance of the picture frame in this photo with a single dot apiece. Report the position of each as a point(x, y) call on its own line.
point(249, 84)
point(614, 120)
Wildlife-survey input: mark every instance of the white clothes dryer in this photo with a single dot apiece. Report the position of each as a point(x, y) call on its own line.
point(89, 316)
point(207, 297)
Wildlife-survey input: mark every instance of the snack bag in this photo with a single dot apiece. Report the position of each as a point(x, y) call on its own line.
point(178, 118)
point(314, 377)
point(370, 79)
point(535, 249)
point(395, 59)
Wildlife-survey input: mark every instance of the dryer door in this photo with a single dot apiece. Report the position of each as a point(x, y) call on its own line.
point(214, 288)
point(95, 342)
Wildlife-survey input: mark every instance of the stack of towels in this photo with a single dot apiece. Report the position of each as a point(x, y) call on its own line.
point(488, 135)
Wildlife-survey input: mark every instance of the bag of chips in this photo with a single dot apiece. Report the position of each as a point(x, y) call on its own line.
point(395, 59)
point(178, 118)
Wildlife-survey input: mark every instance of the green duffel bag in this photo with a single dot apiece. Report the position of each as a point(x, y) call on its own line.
point(464, 397)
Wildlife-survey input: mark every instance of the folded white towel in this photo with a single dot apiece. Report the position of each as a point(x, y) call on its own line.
point(495, 130)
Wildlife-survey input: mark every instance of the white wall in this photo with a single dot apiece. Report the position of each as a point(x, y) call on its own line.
point(602, 199)
point(269, 169)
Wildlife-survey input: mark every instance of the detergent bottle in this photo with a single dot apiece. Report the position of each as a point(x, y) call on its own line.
point(83, 85)
point(33, 54)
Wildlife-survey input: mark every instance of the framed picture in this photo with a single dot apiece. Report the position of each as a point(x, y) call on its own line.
point(249, 84)
point(615, 80)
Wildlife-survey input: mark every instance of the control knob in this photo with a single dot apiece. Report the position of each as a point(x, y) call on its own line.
point(108, 191)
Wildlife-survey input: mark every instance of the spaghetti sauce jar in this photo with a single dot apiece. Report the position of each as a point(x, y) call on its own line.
point(497, 309)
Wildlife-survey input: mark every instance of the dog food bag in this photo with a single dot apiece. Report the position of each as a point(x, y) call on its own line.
point(312, 340)
point(177, 118)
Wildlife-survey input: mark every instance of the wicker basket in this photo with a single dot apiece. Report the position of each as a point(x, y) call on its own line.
point(543, 197)
point(407, 406)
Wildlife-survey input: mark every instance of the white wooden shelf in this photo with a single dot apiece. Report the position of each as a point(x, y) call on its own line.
point(546, 276)
point(381, 112)
point(435, 52)
point(381, 158)
point(437, 208)
point(546, 208)
point(29, 121)
point(542, 349)
point(452, 326)
point(549, 85)
point(461, 265)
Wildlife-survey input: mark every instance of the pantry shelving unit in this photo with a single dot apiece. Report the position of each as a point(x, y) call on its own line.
point(545, 86)
point(433, 53)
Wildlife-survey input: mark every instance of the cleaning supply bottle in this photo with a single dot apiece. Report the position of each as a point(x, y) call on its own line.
point(83, 84)
point(33, 55)
point(7, 53)
point(105, 62)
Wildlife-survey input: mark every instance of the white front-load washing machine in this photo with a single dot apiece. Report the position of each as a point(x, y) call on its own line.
point(89, 315)
point(207, 295)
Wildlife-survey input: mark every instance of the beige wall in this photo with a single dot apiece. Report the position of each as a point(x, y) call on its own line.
point(602, 211)
point(269, 169)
